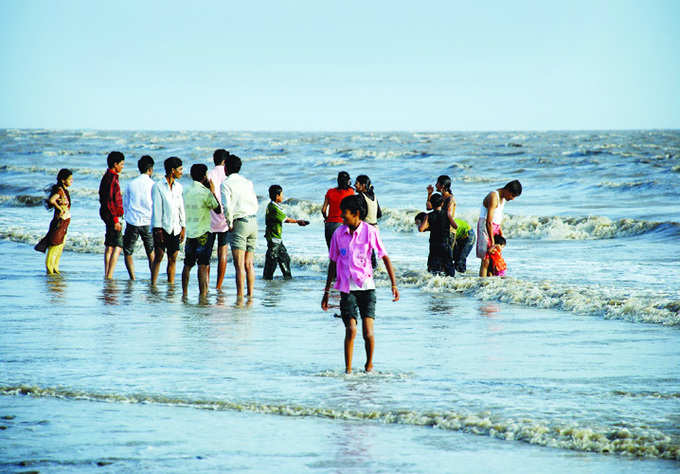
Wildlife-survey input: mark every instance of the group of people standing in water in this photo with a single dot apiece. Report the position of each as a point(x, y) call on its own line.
point(221, 206)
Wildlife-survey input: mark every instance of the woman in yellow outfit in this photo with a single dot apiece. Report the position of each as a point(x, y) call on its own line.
point(60, 200)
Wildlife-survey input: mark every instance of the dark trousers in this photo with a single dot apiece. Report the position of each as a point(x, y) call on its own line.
point(276, 255)
point(462, 250)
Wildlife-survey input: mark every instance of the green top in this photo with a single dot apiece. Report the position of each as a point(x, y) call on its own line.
point(198, 202)
point(274, 219)
point(463, 228)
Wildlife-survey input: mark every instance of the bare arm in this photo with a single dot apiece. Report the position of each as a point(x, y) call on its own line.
point(451, 212)
point(54, 202)
point(424, 225)
point(492, 204)
point(329, 281)
point(324, 208)
point(390, 273)
point(430, 190)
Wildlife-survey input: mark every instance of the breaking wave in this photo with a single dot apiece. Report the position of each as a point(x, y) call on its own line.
point(639, 441)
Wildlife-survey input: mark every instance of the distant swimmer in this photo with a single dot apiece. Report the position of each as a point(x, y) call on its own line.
point(199, 201)
point(137, 206)
point(111, 211)
point(168, 219)
point(330, 210)
point(59, 199)
point(277, 254)
point(350, 267)
point(491, 217)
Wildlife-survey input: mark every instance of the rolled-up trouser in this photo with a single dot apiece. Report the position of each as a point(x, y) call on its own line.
point(276, 255)
point(462, 250)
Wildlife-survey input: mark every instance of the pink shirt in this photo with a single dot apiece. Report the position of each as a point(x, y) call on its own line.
point(352, 254)
point(217, 221)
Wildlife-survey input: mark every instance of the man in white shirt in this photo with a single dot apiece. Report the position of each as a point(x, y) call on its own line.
point(137, 209)
point(239, 204)
point(218, 225)
point(168, 218)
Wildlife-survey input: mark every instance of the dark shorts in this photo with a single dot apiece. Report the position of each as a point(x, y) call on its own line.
point(329, 230)
point(170, 243)
point(198, 250)
point(222, 238)
point(113, 237)
point(357, 302)
point(132, 232)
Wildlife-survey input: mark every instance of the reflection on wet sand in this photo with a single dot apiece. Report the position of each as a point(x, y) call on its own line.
point(56, 284)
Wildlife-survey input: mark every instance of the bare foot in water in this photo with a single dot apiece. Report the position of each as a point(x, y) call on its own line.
point(368, 367)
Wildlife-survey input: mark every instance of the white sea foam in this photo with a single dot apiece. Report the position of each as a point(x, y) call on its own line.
point(639, 441)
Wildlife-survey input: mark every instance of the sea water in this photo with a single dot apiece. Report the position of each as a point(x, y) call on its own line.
point(571, 363)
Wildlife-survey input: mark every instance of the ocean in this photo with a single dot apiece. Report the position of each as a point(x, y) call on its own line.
point(570, 364)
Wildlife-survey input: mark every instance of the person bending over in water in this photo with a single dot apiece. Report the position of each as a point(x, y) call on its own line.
point(350, 261)
point(494, 264)
point(60, 201)
point(491, 217)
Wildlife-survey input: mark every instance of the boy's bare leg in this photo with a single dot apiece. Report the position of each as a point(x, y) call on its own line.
point(369, 341)
point(240, 270)
point(222, 255)
point(250, 272)
point(130, 265)
point(107, 258)
point(186, 273)
point(484, 267)
point(156, 267)
point(172, 262)
point(151, 257)
point(203, 282)
point(350, 333)
point(113, 259)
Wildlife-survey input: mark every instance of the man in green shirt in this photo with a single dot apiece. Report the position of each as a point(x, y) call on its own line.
point(276, 251)
point(465, 240)
point(199, 200)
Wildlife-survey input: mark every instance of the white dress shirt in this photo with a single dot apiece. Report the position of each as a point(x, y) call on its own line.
point(238, 198)
point(168, 206)
point(137, 201)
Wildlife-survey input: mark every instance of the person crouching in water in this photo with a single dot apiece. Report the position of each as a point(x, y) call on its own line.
point(440, 259)
point(350, 261)
point(59, 200)
point(494, 264)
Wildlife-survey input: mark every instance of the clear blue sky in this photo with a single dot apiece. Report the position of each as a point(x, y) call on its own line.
point(340, 65)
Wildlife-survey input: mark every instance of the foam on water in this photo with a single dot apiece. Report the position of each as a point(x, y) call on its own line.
point(640, 441)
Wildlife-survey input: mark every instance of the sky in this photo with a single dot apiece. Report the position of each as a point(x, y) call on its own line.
point(335, 66)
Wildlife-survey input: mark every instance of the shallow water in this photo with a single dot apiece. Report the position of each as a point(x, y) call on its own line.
point(571, 362)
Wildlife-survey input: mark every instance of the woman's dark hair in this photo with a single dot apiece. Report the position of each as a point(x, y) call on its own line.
point(436, 200)
point(171, 163)
point(344, 180)
point(499, 240)
point(232, 165)
point(113, 158)
point(514, 188)
point(366, 181)
point(145, 163)
point(445, 182)
point(354, 204)
point(62, 176)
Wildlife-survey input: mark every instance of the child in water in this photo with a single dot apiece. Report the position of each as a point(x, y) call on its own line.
point(440, 258)
point(276, 251)
point(494, 264)
point(350, 261)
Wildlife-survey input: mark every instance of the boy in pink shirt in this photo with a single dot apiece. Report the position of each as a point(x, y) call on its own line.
point(350, 261)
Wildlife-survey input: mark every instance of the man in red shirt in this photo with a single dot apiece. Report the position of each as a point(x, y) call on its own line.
point(111, 211)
